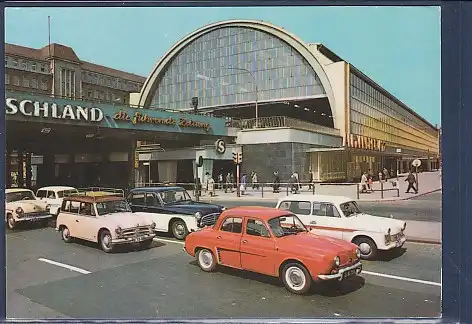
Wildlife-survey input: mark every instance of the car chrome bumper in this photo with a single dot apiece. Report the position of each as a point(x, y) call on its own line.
point(131, 240)
point(32, 219)
point(394, 244)
point(343, 273)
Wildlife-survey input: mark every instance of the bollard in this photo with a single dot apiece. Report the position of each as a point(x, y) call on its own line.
point(381, 190)
point(398, 192)
point(262, 190)
point(313, 188)
point(287, 189)
point(358, 192)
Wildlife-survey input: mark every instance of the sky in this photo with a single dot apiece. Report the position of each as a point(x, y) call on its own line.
point(398, 47)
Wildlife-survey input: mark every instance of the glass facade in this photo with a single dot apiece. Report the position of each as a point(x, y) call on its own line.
point(377, 116)
point(208, 69)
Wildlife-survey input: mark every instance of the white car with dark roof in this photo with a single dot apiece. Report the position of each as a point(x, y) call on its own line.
point(341, 217)
point(54, 195)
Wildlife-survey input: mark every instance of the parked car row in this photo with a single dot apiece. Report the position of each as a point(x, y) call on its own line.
point(304, 239)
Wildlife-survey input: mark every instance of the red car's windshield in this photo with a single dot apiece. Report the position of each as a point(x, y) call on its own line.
point(286, 225)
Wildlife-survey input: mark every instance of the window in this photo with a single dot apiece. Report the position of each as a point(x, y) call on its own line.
point(14, 63)
point(25, 82)
point(33, 66)
point(16, 80)
point(256, 228)
point(41, 194)
point(51, 195)
point(152, 200)
point(43, 68)
point(297, 207)
point(325, 209)
point(7, 78)
point(24, 65)
point(137, 199)
point(6, 61)
point(232, 225)
point(44, 85)
point(65, 205)
point(86, 209)
point(34, 83)
point(89, 94)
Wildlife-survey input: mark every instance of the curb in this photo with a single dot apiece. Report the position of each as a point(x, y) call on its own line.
point(423, 240)
point(254, 199)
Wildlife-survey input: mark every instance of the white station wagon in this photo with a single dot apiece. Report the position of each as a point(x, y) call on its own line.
point(53, 195)
point(340, 217)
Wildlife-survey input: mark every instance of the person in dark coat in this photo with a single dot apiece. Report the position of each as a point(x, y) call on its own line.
point(411, 182)
point(276, 182)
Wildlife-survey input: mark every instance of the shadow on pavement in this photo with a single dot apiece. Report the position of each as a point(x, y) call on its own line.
point(325, 289)
point(390, 255)
point(119, 249)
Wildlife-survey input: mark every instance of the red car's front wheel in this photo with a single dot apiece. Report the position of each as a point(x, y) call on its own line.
point(296, 278)
point(206, 260)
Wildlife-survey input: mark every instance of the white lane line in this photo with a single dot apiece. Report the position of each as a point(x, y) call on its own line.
point(63, 265)
point(432, 283)
point(363, 271)
point(168, 241)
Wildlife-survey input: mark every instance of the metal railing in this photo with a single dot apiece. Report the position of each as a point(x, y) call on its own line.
point(282, 121)
point(382, 189)
point(100, 191)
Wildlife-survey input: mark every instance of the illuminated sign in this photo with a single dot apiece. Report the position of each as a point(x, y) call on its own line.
point(364, 142)
point(30, 108)
point(144, 118)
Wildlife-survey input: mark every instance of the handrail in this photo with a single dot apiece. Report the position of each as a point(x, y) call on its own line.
point(282, 121)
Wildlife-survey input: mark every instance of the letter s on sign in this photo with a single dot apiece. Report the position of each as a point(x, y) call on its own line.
point(220, 146)
point(12, 106)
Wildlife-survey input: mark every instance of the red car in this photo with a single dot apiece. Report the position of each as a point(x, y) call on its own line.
point(273, 242)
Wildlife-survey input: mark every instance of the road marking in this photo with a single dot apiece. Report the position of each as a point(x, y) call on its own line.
point(432, 283)
point(363, 271)
point(63, 265)
point(169, 241)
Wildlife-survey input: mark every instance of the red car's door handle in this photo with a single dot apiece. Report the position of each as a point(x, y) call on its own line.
point(218, 237)
point(244, 241)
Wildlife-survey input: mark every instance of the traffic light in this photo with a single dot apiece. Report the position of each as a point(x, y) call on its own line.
point(237, 158)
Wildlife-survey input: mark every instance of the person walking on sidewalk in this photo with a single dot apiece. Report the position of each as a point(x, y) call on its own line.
point(364, 182)
point(255, 184)
point(411, 182)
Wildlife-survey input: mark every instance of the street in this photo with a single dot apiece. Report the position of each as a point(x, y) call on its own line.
point(423, 208)
point(49, 278)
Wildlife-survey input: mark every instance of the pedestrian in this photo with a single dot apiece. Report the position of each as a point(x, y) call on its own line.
point(364, 182)
point(243, 185)
point(297, 180)
point(276, 185)
point(220, 180)
point(312, 179)
point(255, 184)
point(411, 182)
point(228, 183)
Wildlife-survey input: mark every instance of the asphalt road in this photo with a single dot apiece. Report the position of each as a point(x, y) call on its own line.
point(164, 282)
point(423, 208)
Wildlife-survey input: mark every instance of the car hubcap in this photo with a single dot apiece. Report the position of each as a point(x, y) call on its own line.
point(365, 248)
point(295, 278)
point(206, 259)
point(180, 229)
point(107, 241)
point(65, 233)
point(11, 222)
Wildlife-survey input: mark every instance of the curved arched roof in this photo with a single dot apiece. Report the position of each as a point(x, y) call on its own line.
point(301, 47)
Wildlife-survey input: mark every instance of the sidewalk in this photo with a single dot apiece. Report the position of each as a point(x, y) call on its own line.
point(423, 232)
point(428, 182)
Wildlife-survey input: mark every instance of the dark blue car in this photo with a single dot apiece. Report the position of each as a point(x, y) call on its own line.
point(173, 210)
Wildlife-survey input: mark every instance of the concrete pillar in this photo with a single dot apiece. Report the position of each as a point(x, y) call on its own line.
point(133, 163)
point(29, 171)
point(21, 175)
point(105, 178)
point(8, 169)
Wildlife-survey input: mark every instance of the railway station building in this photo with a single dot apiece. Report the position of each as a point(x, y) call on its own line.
point(293, 106)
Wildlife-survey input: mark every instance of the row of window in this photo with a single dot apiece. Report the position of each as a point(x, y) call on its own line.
point(370, 117)
point(394, 140)
point(223, 63)
point(12, 62)
point(375, 97)
point(100, 79)
point(105, 95)
point(212, 97)
point(26, 82)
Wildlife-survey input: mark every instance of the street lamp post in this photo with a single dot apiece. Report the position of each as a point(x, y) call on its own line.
point(256, 90)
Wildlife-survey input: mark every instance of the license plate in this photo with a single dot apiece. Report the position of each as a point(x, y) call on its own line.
point(138, 239)
point(351, 272)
